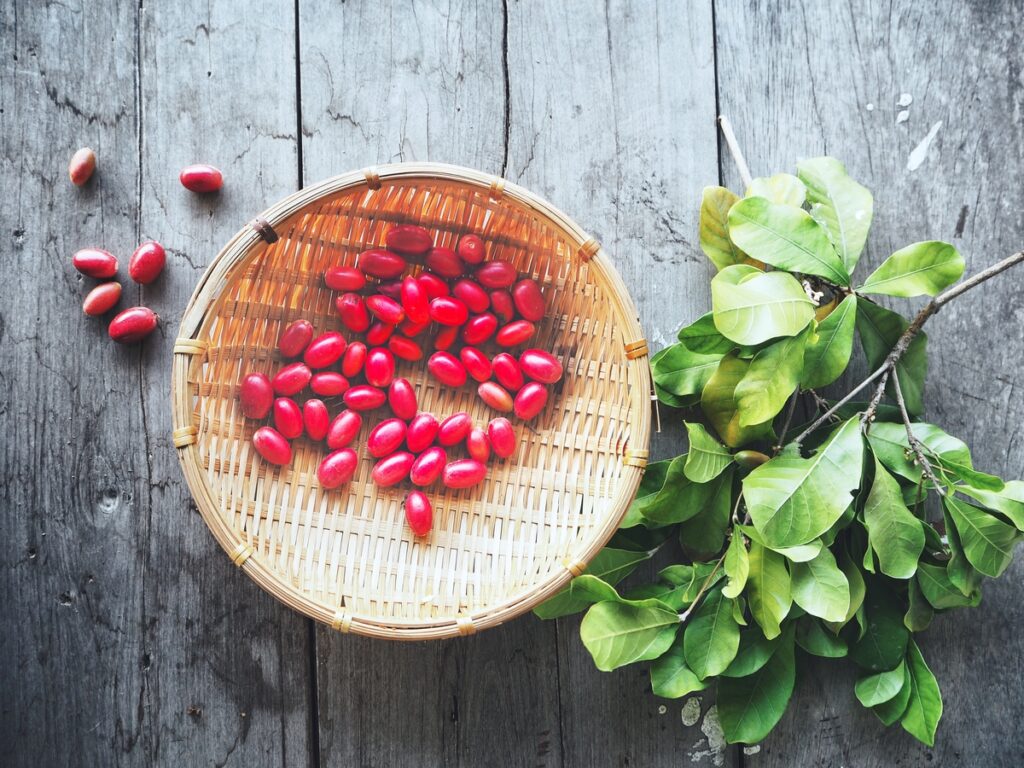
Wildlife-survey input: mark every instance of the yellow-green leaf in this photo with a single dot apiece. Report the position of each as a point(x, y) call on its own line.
point(750, 306)
point(707, 458)
point(924, 708)
point(619, 633)
point(820, 588)
point(714, 228)
point(896, 536)
point(719, 404)
point(737, 565)
point(841, 205)
point(670, 677)
point(916, 270)
point(771, 378)
point(875, 689)
point(712, 636)
point(828, 350)
point(768, 589)
point(782, 188)
point(987, 541)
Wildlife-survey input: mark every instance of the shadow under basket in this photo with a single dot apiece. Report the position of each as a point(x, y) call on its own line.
point(346, 557)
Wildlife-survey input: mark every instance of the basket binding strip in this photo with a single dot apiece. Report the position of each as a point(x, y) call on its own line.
point(345, 557)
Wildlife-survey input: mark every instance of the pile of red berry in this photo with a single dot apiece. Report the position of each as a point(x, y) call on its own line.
point(397, 316)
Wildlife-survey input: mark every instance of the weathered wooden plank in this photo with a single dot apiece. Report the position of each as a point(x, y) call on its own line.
point(218, 86)
point(802, 78)
point(615, 125)
point(382, 83)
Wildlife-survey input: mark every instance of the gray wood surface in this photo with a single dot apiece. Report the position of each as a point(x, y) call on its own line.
point(129, 639)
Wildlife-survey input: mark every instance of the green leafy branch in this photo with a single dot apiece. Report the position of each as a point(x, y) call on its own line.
point(842, 541)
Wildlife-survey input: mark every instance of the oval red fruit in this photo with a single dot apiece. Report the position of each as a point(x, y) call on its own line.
point(337, 468)
point(515, 333)
point(472, 295)
point(343, 429)
point(132, 324)
point(540, 366)
point(147, 262)
point(380, 367)
point(365, 398)
point(405, 349)
point(444, 262)
point(448, 310)
point(502, 305)
point(287, 417)
point(353, 359)
point(386, 310)
point(478, 446)
point(496, 274)
point(201, 178)
point(291, 379)
point(95, 262)
point(476, 362)
point(326, 349)
point(454, 429)
point(447, 369)
point(446, 337)
point(464, 473)
point(528, 299)
point(391, 289)
point(315, 419)
point(471, 249)
point(379, 334)
point(328, 384)
point(392, 470)
point(386, 437)
point(295, 338)
point(409, 328)
point(377, 262)
point(344, 279)
point(480, 328)
point(418, 513)
point(272, 446)
point(256, 396)
point(503, 437)
point(82, 164)
point(530, 400)
point(409, 239)
point(507, 372)
point(428, 466)
point(402, 399)
point(353, 312)
point(433, 285)
point(101, 299)
point(421, 433)
point(415, 301)
point(496, 396)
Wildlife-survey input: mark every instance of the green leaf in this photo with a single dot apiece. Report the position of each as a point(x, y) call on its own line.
point(988, 542)
point(890, 444)
point(608, 567)
point(712, 636)
point(651, 484)
point(670, 677)
point(924, 709)
point(691, 578)
point(938, 590)
point(678, 499)
point(820, 588)
point(885, 638)
point(737, 565)
point(812, 637)
point(896, 536)
point(892, 710)
point(876, 689)
point(785, 237)
point(680, 371)
point(639, 539)
point(714, 228)
point(782, 188)
point(801, 553)
point(769, 381)
point(962, 574)
point(841, 205)
point(719, 404)
point(675, 401)
point(619, 633)
point(919, 612)
point(792, 500)
point(828, 352)
point(768, 589)
point(1009, 501)
point(917, 269)
point(750, 306)
point(879, 331)
point(707, 458)
point(702, 337)
point(754, 651)
point(703, 535)
point(749, 707)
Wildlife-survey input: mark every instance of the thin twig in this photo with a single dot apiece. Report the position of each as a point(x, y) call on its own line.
point(736, 507)
point(788, 421)
point(704, 587)
point(915, 444)
point(849, 396)
point(734, 150)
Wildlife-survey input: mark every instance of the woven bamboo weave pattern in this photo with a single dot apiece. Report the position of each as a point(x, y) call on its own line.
point(346, 557)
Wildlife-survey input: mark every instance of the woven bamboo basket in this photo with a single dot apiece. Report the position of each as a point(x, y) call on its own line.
point(346, 557)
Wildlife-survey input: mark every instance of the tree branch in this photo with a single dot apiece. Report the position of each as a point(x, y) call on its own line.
point(734, 150)
point(828, 414)
point(915, 444)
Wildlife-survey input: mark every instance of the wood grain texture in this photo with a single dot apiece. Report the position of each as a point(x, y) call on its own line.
point(796, 79)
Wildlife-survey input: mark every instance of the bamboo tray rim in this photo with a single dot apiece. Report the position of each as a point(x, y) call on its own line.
point(189, 349)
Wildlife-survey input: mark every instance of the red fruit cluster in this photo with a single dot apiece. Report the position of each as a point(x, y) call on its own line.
point(457, 305)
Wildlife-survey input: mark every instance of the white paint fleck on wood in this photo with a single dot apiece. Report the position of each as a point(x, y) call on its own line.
point(920, 152)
